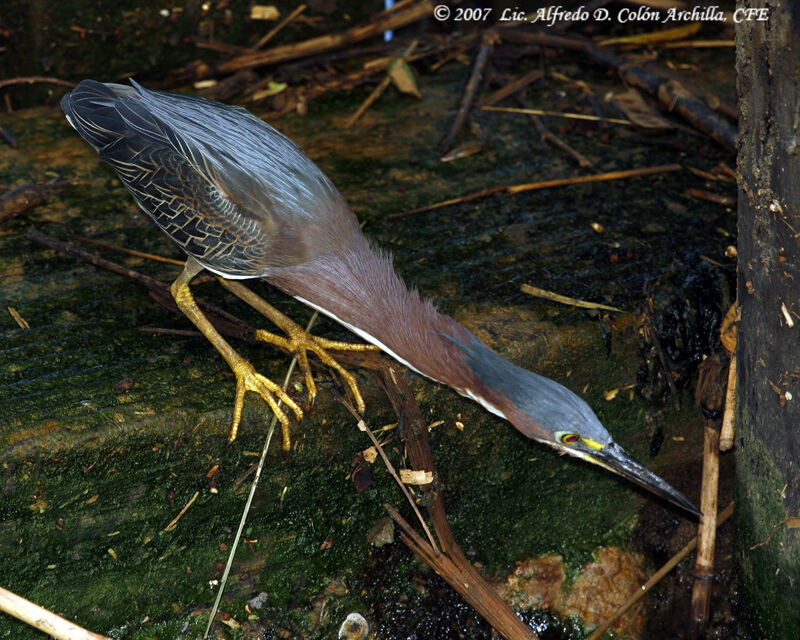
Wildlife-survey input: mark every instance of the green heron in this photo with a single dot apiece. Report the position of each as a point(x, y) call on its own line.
point(244, 201)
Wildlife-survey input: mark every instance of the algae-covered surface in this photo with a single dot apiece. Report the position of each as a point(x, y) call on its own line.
point(107, 432)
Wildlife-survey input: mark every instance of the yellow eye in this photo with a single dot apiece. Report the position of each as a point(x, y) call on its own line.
point(570, 438)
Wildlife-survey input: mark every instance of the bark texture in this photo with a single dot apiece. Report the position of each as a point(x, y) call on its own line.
point(768, 438)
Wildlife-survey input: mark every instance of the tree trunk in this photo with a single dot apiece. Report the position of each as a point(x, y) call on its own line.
point(768, 438)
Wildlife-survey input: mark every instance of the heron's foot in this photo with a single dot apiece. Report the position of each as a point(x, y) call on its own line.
point(248, 379)
point(300, 342)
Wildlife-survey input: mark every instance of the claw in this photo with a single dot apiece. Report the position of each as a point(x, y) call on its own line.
point(300, 342)
point(248, 379)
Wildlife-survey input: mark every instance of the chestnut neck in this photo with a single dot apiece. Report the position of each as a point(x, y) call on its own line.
point(358, 287)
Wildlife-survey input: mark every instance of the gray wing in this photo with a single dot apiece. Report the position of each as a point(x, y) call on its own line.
point(226, 187)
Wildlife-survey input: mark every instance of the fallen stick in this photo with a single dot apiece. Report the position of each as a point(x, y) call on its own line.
point(548, 136)
point(454, 574)
point(201, 69)
point(377, 91)
point(36, 80)
point(487, 43)
point(656, 578)
point(545, 184)
point(469, 583)
point(10, 140)
point(558, 114)
point(515, 88)
point(717, 198)
point(706, 534)
point(729, 417)
point(557, 297)
point(27, 196)
point(362, 426)
point(672, 95)
point(131, 252)
point(224, 322)
point(269, 36)
point(510, 89)
point(42, 619)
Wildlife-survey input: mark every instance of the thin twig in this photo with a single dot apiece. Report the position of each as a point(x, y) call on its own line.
point(252, 493)
point(697, 44)
point(269, 36)
point(549, 137)
point(362, 426)
point(559, 114)
point(223, 321)
point(487, 42)
point(11, 140)
point(557, 297)
point(463, 578)
point(130, 252)
point(161, 331)
point(377, 91)
point(656, 578)
point(545, 184)
point(791, 523)
point(717, 198)
point(510, 88)
point(671, 94)
point(201, 69)
point(36, 80)
point(26, 196)
point(515, 88)
point(174, 521)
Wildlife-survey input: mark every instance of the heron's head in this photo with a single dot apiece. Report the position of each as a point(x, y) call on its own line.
point(606, 453)
point(546, 411)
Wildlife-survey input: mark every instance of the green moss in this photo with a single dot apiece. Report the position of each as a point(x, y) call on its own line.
point(771, 568)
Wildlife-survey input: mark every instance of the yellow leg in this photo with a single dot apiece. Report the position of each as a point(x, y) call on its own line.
point(247, 378)
point(299, 341)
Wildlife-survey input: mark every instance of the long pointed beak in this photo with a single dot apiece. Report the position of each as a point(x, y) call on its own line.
point(616, 459)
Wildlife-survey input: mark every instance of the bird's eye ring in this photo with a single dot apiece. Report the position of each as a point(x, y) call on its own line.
point(570, 438)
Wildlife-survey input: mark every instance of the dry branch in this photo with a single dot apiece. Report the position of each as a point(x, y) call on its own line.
point(706, 533)
point(729, 417)
point(510, 88)
point(672, 95)
point(376, 93)
point(269, 36)
point(557, 297)
point(559, 114)
point(545, 184)
point(27, 196)
point(36, 80)
point(461, 575)
point(201, 69)
point(487, 42)
point(545, 135)
point(42, 619)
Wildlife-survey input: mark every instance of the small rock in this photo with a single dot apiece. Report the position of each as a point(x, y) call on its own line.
point(381, 533)
point(354, 627)
point(259, 601)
